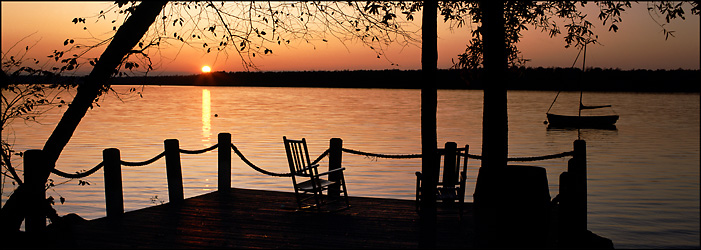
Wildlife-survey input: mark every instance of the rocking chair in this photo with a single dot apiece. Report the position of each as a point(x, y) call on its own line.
point(309, 192)
point(451, 188)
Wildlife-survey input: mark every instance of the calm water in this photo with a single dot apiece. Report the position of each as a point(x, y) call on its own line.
point(643, 177)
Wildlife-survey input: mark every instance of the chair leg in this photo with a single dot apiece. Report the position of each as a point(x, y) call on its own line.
point(460, 208)
point(299, 200)
point(345, 192)
point(418, 193)
point(317, 197)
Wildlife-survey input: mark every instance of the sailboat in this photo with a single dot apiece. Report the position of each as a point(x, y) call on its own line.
point(582, 121)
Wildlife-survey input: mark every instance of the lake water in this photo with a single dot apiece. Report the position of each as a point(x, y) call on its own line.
point(643, 177)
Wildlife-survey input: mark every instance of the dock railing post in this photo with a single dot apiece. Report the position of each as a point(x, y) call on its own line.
point(34, 173)
point(578, 170)
point(224, 160)
point(173, 170)
point(114, 197)
point(335, 160)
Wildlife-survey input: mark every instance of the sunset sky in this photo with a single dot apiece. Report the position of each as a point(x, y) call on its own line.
point(639, 44)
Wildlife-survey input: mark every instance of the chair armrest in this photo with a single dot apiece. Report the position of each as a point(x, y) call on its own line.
point(331, 171)
point(418, 174)
point(310, 167)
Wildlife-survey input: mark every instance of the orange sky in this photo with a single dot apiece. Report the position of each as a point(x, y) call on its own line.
point(639, 44)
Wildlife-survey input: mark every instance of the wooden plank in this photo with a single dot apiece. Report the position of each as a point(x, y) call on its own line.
point(245, 218)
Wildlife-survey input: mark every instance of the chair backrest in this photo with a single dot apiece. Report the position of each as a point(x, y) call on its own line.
point(454, 164)
point(298, 156)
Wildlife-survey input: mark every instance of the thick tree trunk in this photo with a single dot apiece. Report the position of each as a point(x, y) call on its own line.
point(495, 123)
point(489, 191)
point(429, 65)
point(123, 42)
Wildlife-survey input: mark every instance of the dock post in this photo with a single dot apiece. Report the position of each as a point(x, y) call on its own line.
point(578, 171)
point(173, 170)
point(114, 197)
point(335, 159)
point(572, 223)
point(34, 173)
point(224, 160)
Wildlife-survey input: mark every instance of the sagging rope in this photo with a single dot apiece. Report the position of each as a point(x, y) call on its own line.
point(199, 151)
point(316, 161)
point(127, 163)
point(408, 156)
point(540, 158)
point(243, 158)
point(101, 164)
point(143, 163)
point(381, 155)
point(78, 175)
point(184, 151)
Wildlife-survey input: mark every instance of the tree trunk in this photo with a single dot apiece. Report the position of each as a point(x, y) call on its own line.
point(489, 190)
point(123, 42)
point(495, 122)
point(429, 65)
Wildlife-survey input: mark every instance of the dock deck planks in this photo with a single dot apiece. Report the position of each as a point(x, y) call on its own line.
point(245, 218)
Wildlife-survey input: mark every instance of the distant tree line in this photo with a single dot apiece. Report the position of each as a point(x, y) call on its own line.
point(409, 79)
point(567, 79)
point(598, 79)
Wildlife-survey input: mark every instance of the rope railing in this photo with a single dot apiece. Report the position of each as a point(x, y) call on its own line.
point(112, 163)
point(101, 164)
point(540, 158)
point(199, 151)
point(253, 166)
point(78, 175)
point(324, 154)
point(473, 156)
point(143, 163)
point(394, 156)
point(184, 151)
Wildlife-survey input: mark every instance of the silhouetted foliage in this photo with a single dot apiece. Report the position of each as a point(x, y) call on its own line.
point(553, 18)
point(89, 90)
point(148, 25)
point(28, 92)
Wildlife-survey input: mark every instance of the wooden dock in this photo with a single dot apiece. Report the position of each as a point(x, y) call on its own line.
point(244, 218)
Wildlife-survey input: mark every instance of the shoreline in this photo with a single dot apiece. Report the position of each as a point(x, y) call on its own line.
point(547, 79)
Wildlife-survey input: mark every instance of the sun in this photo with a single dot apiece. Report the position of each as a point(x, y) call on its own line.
point(206, 69)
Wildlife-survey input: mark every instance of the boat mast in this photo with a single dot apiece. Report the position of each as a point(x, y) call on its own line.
point(584, 61)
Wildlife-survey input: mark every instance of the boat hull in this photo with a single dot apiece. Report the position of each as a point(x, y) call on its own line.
point(567, 121)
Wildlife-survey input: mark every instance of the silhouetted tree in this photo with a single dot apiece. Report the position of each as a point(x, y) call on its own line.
point(28, 92)
point(248, 28)
point(254, 28)
point(93, 86)
point(494, 46)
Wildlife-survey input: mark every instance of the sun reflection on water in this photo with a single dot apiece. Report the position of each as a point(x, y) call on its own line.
point(206, 116)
